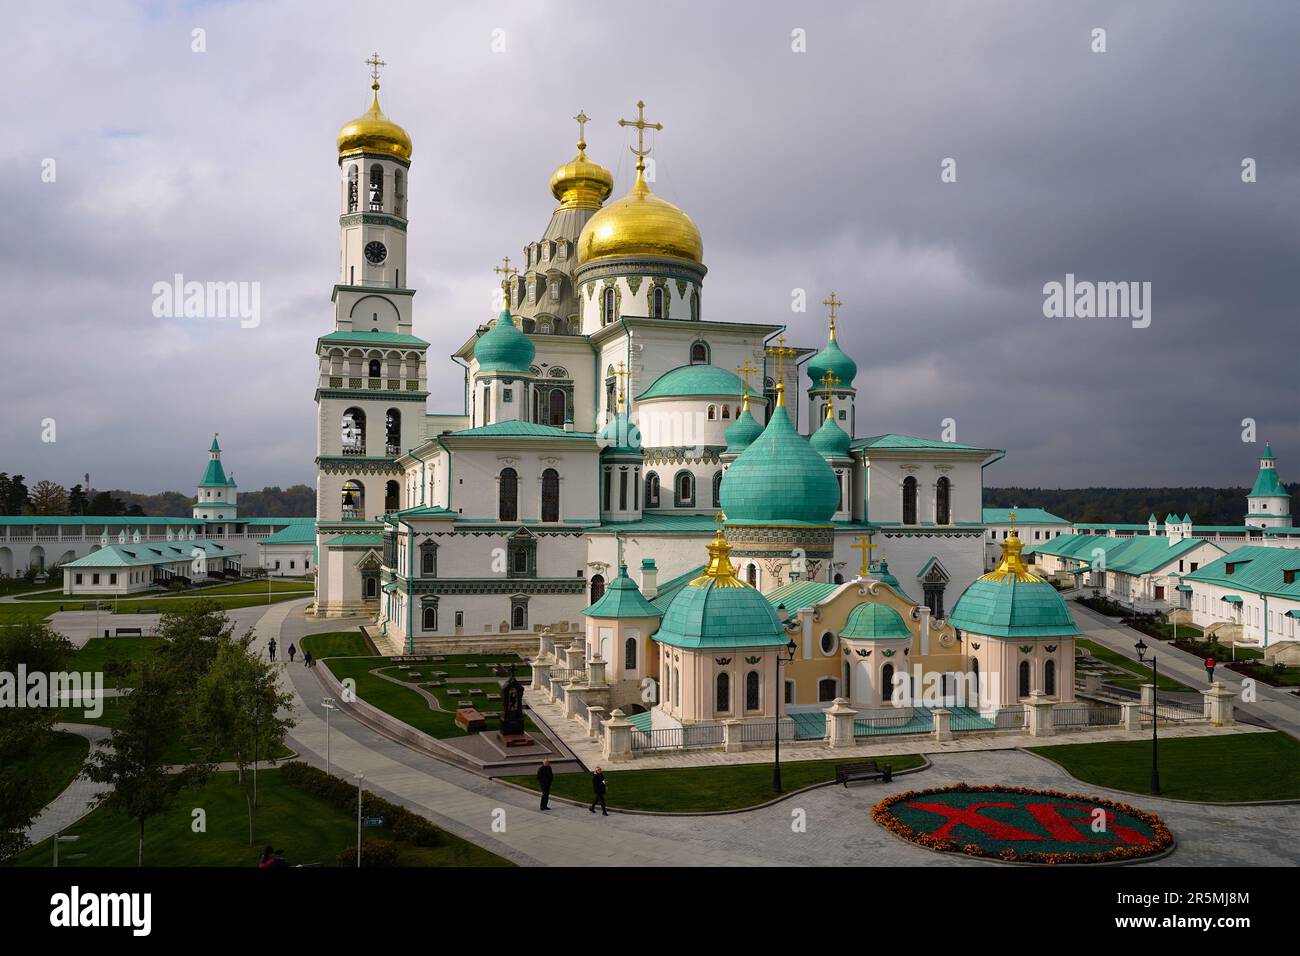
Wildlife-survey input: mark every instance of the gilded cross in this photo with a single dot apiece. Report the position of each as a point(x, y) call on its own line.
point(505, 270)
point(745, 371)
point(623, 374)
point(832, 303)
point(780, 352)
point(866, 546)
point(375, 63)
point(583, 119)
point(641, 126)
point(829, 381)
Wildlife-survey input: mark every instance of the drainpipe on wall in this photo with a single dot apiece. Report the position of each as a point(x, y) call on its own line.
point(410, 564)
point(464, 394)
point(446, 452)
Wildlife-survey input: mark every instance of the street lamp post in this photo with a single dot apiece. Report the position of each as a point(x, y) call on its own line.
point(328, 704)
point(360, 777)
point(788, 656)
point(60, 838)
point(1141, 649)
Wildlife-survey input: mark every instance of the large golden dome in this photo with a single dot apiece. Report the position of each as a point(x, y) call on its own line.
point(640, 224)
point(373, 132)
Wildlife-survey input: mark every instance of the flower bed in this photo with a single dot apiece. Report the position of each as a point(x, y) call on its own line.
point(1023, 825)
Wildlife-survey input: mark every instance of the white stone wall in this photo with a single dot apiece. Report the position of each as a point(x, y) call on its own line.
point(1257, 622)
point(886, 473)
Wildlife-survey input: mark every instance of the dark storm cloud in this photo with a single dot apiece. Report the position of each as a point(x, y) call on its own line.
point(817, 170)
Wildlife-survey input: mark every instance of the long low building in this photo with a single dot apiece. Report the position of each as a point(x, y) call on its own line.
point(1250, 596)
point(141, 566)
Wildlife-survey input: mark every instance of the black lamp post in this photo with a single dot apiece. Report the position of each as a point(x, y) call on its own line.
point(790, 648)
point(1141, 648)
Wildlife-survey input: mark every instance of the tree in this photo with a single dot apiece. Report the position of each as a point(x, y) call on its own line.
point(188, 640)
point(77, 500)
point(103, 503)
point(25, 731)
point(13, 494)
point(135, 765)
point(240, 712)
point(49, 499)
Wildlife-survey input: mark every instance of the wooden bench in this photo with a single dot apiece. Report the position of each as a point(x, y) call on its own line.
point(868, 770)
point(128, 632)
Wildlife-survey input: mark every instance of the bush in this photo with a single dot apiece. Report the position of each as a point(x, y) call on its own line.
point(406, 826)
point(414, 829)
point(373, 853)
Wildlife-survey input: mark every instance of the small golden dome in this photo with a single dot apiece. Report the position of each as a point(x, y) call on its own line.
point(640, 224)
point(580, 183)
point(373, 132)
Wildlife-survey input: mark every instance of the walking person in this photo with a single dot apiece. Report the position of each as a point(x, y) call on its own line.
point(306, 658)
point(292, 651)
point(598, 788)
point(544, 777)
point(270, 648)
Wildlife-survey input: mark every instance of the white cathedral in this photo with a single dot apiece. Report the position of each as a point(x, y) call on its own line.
point(608, 416)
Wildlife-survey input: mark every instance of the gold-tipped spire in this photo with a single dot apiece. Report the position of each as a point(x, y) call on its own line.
point(580, 183)
point(832, 304)
point(372, 131)
point(781, 353)
point(719, 571)
point(640, 150)
point(1012, 566)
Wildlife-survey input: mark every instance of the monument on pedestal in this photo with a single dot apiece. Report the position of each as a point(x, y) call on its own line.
point(512, 713)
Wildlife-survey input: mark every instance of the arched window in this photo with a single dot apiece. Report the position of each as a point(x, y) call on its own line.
point(392, 500)
point(752, 700)
point(1049, 678)
point(839, 579)
point(607, 315)
point(557, 407)
point(374, 369)
point(726, 412)
point(597, 587)
point(942, 501)
point(699, 353)
point(1024, 678)
point(713, 412)
point(751, 575)
point(717, 489)
point(826, 688)
point(659, 302)
point(684, 489)
point(430, 618)
point(399, 194)
point(629, 654)
point(518, 617)
point(352, 188)
point(722, 693)
point(695, 307)
point(354, 432)
point(909, 500)
point(376, 188)
point(392, 432)
point(508, 495)
point(652, 490)
point(975, 672)
point(426, 561)
point(354, 499)
point(550, 495)
point(677, 686)
point(887, 683)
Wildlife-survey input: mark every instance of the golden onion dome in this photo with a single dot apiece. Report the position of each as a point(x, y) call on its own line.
point(580, 183)
point(373, 132)
point(640, 224)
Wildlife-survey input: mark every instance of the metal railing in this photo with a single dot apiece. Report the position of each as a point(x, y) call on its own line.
point(678, 738)
point(1009, 718)
point(1174, 712)
point(1086, 715)
point(580, 709)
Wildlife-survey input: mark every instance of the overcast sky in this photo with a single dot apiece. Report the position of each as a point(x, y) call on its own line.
point(816, 170)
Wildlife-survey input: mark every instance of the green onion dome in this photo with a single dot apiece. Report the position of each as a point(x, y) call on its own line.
point(742, 432)
point(1012, 602)
point(830, 440)
point(874, 622)
point(832, 359)
point(503, 348)
point(780, 478)
point(694, 381)
point(620, 436)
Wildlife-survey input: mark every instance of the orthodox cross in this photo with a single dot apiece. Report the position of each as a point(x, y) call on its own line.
point(832, 303)
point(829, 381)
point(622, 375)
point(746, 370)
point(641, 126)
point(506, 272)
point(375, 63)
point(583, 119)
point(780, 352)
point(866, 546)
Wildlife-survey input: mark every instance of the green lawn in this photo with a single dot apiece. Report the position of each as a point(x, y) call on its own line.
point(703, 789)
point(1215, 769)
point(237, 587)
point(457, 665)
point(115, 709)
point(33, 611)
point(335, 644)
point(1141, 673)
point(97, 650)
point(1220, 652)
point(57, 764)
point(305, 827)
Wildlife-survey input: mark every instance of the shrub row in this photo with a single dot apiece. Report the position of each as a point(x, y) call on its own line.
point(406, 827)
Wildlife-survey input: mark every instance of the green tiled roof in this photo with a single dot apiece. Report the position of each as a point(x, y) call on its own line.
point(779, 479)
point(370, 540)
point(621, 436)
point(691, 380)
point(503, 348)
point(706, 616)
point(145, 554)
point(215, 475)
point(1268, 451)
point(832, 359)
point(798, 595)
point(670, 589)
point(1023, 516)
point(1012, 608)
point(1137, 555)
point(889, 441)
point(643, 721)
point(1268, 485)
point(77, 520)
point(427, 511)
point(299, 533)
point(830, 440)
point(622, 598)
point(742, 432)
point(656, 523)
point(880, 571)
point(518, 429)
point(373, 338)
point(870, 621)
point(1256, 569)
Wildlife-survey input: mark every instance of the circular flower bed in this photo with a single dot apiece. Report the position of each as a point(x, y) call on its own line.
point(1023, 825)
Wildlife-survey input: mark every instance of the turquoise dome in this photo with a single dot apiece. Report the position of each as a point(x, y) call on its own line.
point(503, 348)
point(742, 432)
point(718, 610)
point(621, 436)
point(832, 359)
point(881, 573)
point(1011, 602)
point(874, 622)
point(622, 599)
point(780, 479)
point(687, 381)
point(830, 440)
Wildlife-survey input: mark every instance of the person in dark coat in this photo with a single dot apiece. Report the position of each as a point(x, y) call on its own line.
point(544, 777)
point(267, 855)
point(270, 648)
point(292, 651)
point(598, 788)
point(306, 658)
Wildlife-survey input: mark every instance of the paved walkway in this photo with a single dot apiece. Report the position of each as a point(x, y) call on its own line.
point(1272, 705)
point(75, 801)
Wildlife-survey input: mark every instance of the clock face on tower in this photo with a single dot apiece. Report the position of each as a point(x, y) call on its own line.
point(375, 252)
